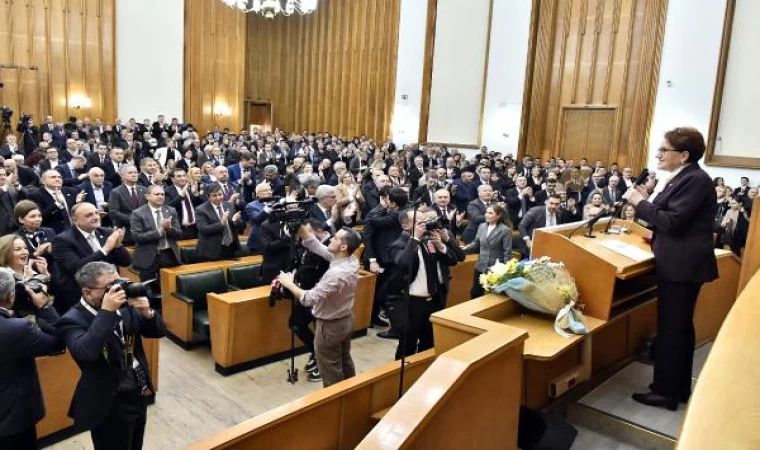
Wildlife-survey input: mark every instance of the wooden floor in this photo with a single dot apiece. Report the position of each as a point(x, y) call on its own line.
point(194, 401)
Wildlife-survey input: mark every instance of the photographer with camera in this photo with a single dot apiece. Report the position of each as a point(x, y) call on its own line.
point(424, 252)
point(29, 133)
point(20, 343)
point(104, 331)
point(331, 300)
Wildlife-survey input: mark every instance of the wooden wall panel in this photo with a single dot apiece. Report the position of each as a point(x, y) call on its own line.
point(594, 54)
point(59, 49)
point(333, 70)
point(215, 39)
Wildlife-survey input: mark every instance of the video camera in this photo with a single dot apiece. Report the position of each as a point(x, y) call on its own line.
point(290, 214)
point(437, 223)
point(5, 116)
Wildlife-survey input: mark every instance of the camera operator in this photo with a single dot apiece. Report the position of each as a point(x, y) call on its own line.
point(425, 255)
point(381, 229)
point(29, 134)
point(310, 269)
point(20, 342)
point(104, 332)
point(331, 300)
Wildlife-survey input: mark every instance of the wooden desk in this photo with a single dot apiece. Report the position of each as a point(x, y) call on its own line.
point(246, 331)
point(461, 281)
point(58, 378)
point(177, 314)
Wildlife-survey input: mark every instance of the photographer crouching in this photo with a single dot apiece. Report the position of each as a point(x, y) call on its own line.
point(332, 300)
point(103, 332)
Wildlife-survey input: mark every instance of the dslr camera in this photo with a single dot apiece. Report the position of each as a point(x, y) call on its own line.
point(132, 289)
point(23, 304)
point(437, 223)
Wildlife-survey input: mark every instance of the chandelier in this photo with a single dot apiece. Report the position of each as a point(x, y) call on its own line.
point(271, 8)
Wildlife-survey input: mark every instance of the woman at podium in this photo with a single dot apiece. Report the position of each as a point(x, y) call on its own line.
point(681, 211)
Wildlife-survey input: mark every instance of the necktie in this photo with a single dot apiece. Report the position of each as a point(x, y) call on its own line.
point(134, 196)
point(189, 208)
point(163, 243)
point(612, 195)
point(224, 190)
point(551, 221)
point(430, 268)
point(227, 233)
point(93, 241)
point(64, 207)
point(522, 207)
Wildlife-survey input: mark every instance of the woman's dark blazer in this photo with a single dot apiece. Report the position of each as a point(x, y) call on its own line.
point(682, 217)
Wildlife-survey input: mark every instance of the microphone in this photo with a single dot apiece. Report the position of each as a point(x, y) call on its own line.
point(642, 177)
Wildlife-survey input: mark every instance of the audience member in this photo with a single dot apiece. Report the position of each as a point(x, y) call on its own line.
point(218, 226)
point(492, 243)
point(103, 331)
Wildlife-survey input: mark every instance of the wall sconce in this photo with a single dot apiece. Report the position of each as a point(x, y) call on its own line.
point(79, 102)
point(222, 109)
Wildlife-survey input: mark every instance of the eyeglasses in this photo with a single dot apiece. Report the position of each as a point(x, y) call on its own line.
point(663, 150)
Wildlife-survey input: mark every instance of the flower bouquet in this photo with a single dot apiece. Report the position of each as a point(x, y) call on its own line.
point(542, 286)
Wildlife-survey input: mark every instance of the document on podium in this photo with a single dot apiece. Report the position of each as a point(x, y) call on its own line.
point(627, 250)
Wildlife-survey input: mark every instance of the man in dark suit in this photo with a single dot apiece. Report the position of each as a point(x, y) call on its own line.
point(73, 172)
point(155, 228)
point(429, 281)
point(112, 167)
point(520, 199)
point(543, 195)
point(275, 250)
point(244, 171)
point(149, 172)
point(55, 201)
point(87, 241)
point(103, 333)
point(322, 211)
point(51, 160)
point(229, 189)
point(181, 196)
point(476, 212)
point(612, 194)
point(10, 147)
point(446, 211)
point(21, 342)
point(464, 190)
point(25, 175)
point(381, 229)
point(539, 217)
point(218, 226)
point(96, 189)
point(371, 192)
point(125, 199)
point(8, 200)
point(59, 136)
point(48, 126)
point(427, 192)
point(98, 158)
point(275, 182)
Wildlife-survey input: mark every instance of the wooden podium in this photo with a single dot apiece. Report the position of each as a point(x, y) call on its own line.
point(618, 294)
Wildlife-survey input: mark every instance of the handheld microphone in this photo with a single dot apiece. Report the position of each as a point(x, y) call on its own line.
point(642, 177)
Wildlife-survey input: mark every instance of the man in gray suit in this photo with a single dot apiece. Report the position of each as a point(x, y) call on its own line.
point(539, 217)
point(476, 212)
point(125, 199)
point(218, 226)
point(155, 228)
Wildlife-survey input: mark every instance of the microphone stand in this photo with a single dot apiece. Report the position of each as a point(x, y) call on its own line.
point(615, 211)
point(405, 311)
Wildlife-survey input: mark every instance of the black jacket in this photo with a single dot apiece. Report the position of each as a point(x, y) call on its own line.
point(71, 252)
point(275, 250)
point(21, 404)
point(381, 229)
point(53, 216)
point(404, 254)
point(99, 354)
point(682, 217)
